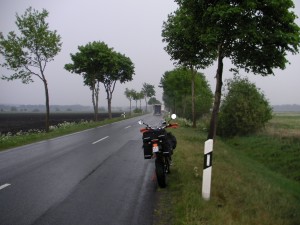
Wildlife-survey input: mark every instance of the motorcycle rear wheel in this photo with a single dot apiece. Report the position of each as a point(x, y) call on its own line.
point(160, 172)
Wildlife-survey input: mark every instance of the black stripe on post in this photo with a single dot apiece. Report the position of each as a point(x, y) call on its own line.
point(207, 160)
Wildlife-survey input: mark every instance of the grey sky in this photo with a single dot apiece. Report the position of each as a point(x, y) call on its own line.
point(131, 27)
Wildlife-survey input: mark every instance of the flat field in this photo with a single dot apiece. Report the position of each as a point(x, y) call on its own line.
point(14, 122)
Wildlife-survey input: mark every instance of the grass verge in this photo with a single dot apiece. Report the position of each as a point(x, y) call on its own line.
point(244, 191)
point(23, 138)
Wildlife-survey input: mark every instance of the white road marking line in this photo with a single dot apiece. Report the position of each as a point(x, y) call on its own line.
point(95, 142)
point(4, 186)
point(127, 127)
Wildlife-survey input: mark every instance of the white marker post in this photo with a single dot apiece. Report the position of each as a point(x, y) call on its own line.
point(207, 167)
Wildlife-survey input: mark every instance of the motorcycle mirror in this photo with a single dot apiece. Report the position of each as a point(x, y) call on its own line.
point(173, 116)
point(140, 122)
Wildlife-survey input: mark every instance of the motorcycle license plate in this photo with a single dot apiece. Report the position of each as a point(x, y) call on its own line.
point(155, 148)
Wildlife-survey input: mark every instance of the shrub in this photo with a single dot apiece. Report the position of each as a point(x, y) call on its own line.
point(137, 110)
point(244, 109)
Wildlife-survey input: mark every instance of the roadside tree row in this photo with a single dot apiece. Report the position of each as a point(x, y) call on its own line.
point(177, 93)
point(147, 92)
point(27, 53)
point(98, 63)
point(255, 35)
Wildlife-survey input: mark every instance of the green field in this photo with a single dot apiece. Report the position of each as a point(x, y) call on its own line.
point(256, 179)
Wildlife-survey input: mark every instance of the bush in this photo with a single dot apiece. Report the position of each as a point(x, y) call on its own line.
point(244, 109)
point(137, 110)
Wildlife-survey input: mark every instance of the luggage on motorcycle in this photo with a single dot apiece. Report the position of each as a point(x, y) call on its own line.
point(147, 144)
point(169, 144)
point(147, 150)
point(148, 136)
point(172, 140)
point(161, 134)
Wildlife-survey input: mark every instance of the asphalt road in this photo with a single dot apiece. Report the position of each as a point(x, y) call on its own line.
point(98, 176)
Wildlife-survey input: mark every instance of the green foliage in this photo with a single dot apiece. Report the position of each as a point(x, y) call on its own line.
point(91, 61)
point(255, 35)
point(153, 101)
point(129, 95)
point(100, 64)
point(149, 91)
point(137, 96)
point(137, 110)
point(244, 109)
point(28, 53)
point(183, 41)
point(177, 92)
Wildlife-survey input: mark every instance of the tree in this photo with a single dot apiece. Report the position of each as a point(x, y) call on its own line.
point(255, 35)
point(135, 97)
point(141, 95)
point(129, 95)
point(176, 90)
point(153, 101)
point(184, 46)
point(177, 93)
point(120, 69)
point(149, 91)
point(100, 64)
point(91, 61)
point(244, 109)
point(28, 53)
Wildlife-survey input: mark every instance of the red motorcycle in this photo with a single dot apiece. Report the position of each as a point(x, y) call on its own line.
point(159, 144)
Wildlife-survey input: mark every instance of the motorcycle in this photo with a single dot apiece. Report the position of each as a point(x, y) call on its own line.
point(159, 144)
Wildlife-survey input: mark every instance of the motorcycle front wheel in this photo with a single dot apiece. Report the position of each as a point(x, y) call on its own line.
point(160, 172)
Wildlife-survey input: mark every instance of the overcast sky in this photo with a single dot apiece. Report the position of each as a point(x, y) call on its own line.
point(131, 27)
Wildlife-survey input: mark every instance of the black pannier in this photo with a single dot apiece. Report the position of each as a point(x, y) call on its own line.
point(172, 140)
point(147, 150)
point(169, 144)
point(147, 145)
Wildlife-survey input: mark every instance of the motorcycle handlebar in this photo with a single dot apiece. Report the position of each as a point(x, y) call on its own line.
point(174, 125)
point(163, 126)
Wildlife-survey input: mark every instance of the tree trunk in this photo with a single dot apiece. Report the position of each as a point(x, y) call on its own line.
point(109, 108)
point(184, 101)
point(174, 106)
point(94, 103)
point(130, 108)
point(47, 105)
point(97, 101)
point(146, 105)
point(193, 97)
point(95, 98)
point(218, 92)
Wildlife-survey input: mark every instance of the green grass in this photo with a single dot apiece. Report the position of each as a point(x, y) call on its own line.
point(279, 155)
point(284, 125)
point(245, 189)
point(278, 147)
